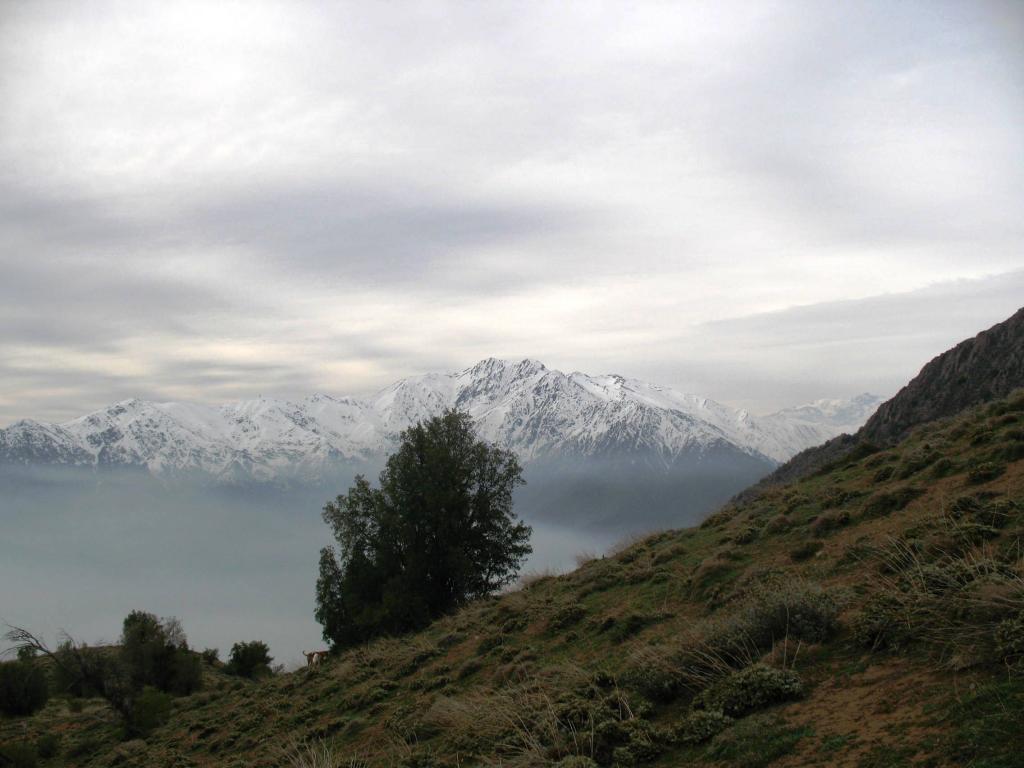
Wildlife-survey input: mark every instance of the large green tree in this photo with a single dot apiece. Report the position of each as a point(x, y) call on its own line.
point(438, 532)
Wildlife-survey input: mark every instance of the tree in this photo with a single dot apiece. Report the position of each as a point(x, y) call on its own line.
point(155, 652)
point(250, 659)
point(438, 532)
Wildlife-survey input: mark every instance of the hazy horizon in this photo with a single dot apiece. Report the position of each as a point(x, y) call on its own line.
point(763, 203)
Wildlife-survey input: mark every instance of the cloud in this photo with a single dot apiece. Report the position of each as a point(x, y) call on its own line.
point(212, 200)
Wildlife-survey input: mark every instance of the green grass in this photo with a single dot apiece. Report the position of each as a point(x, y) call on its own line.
point(756, 742)
point(988, 725)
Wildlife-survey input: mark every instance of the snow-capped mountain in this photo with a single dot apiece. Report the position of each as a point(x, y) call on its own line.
point(536, 411)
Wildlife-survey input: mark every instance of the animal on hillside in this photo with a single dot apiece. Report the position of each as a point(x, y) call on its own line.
point(315, 658)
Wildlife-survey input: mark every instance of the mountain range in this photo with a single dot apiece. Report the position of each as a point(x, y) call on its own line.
point(537, 412)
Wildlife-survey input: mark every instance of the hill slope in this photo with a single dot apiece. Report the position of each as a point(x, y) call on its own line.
point(869, 615)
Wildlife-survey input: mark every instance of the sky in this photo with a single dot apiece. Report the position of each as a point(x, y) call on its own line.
point(765, 203)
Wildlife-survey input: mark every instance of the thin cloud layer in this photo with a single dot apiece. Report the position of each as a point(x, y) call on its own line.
point(765, 203)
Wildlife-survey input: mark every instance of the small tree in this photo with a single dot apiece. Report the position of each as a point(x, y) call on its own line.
point(23, 688)
point(438, 532)
point(250, 659)
point(155, 652)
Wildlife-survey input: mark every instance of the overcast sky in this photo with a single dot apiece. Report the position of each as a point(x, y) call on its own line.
point(763, 202)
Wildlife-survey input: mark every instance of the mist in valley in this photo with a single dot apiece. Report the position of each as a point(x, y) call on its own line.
point(83, 548)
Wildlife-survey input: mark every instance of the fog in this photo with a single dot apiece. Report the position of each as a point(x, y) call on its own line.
point(80, 551)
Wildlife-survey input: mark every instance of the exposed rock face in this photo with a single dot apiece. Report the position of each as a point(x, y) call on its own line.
point(988, 367)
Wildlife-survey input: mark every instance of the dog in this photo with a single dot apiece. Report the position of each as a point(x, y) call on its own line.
point(315, 658)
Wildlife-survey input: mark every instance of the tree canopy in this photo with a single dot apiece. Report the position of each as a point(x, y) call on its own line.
point(437, 532)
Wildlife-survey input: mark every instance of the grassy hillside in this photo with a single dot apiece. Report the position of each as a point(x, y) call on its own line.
point(869, 615)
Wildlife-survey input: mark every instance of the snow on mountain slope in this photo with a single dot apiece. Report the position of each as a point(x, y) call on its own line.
point(523, 405)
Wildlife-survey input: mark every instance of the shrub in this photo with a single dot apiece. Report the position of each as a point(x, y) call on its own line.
point(750, 689)
point(984, 472)
point(249, 659)
point(48, 745)
point(1009, 635)
point(211, 656)
point(746, 535)
point(23, 688)
point(700, 726)
point(829, 522)
point(887, 502)
point(806, 551)
point(882, 624)
point(18, 754)
point(773, 612)
point(918, 460)
point(150, 709)
point(566, 616)
point(883, 474)
point(943, 467)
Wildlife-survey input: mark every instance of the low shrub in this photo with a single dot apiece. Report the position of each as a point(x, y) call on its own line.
point(566, 616)
point(1009, 637)
point(985, 472)
point(700, 726)
point(772, 612)
point(883, 624)
point(829, 522)
point(150, 709)
point(48, 745)
point(806, 551)
point(211, 656)
point(23, 688)
point(917, 460)
point(18, 754)
point(883, 474)
point(750, 689)
point(746, 535)
point(887, 502)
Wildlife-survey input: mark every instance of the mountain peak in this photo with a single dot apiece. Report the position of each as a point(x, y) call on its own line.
point(519, 404)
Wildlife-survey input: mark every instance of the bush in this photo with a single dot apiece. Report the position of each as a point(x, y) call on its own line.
point(211, 656)
point(806, 551)
point(750, 689)
point(23, 688)
point(1010, 639)
point(883, 474)
point(249, 659)
point(887, 502)
point(48, 745)
point(150, 709)
point(984, 472)
point(700, 726)
point(773, 612)
point(883, 624)
point(566, 616)
point(18, 754)
point(829, 522)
